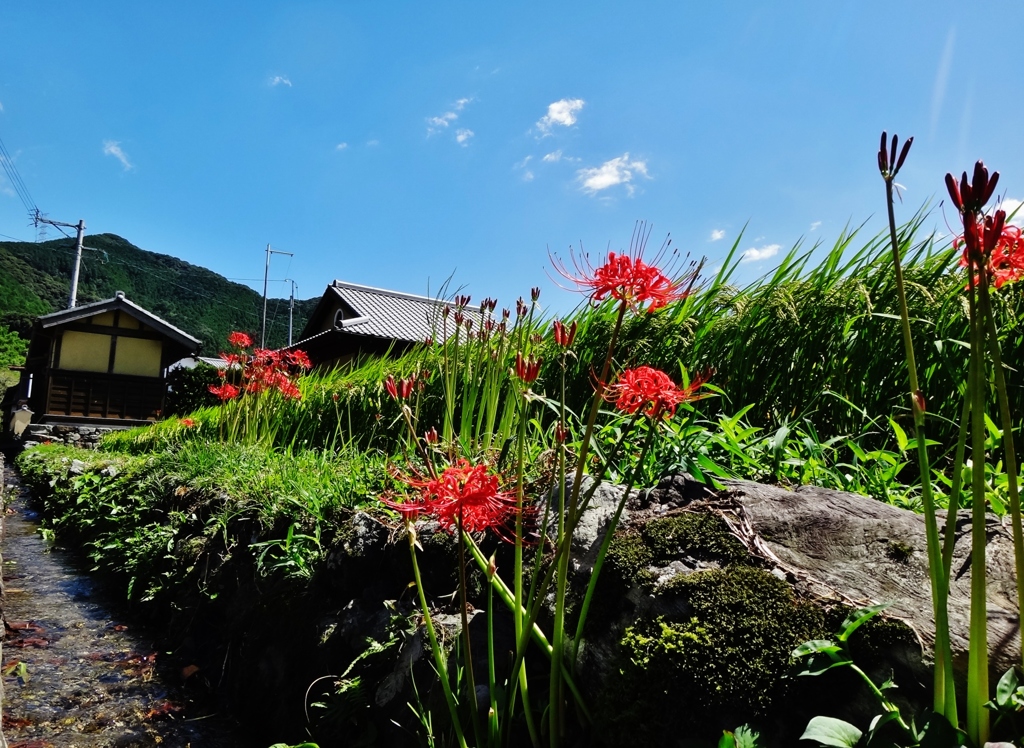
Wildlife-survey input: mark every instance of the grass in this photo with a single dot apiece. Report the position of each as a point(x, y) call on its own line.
point(807, 361)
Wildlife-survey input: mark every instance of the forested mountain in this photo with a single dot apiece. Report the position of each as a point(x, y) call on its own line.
point(35, 278)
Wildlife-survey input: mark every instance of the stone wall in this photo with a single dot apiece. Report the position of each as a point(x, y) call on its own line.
point(85, 437)
point(3, 513)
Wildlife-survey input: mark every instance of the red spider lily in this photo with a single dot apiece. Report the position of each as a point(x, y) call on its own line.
point(299, 359)
point(564, 335)
point(628, 278)
point(225, 392)
point(527, 369)
point(463, 495)
point(994, 245)
point(651, 392)
point(240, 340)
point(187, 422)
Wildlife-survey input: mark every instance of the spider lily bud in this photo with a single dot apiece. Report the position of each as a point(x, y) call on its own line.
point(391, 387)
point(535, 293)
point(527, 369)
point(563, 335)
point(903, 153)
point(954, 191)
point(966, 193)
point(994, 230)
point(883, 158)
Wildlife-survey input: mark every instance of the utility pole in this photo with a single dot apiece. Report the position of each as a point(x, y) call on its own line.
point(266, 275)
point(39, 218)
point(291, 310)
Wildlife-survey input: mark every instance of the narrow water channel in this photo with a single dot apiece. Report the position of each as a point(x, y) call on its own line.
point(75, 675)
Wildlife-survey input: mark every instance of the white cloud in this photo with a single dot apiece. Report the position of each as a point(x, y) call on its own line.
point(562, 112)
point(280, 80)
point(372, 143)
point(616, 171)
point(1, 106)
point(815, 226)
point(113, 148)
point(341, 146)
point(463, 136)
point(553, 157)
point(760, 253)
point(527, 174)
point(436, 124)
point(1010, 204)
point(717, 234)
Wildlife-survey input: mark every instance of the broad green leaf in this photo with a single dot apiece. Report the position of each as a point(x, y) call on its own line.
point(859, 617)
point(815, 645)
point(1007, 687)
point(901, 435)
point(832, 732)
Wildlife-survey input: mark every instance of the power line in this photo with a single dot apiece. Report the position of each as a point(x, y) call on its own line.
point(16, 181)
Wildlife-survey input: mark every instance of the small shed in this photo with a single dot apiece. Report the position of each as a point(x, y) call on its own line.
point(353, 320)
point(102, 361)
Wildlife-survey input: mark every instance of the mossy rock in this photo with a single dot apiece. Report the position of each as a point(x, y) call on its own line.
point(721, 665)
point(695, 534)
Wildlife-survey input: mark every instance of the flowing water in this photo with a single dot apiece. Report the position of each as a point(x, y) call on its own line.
point(75, 675)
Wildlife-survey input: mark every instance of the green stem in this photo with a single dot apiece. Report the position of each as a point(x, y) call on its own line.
point(1009, 453)
point(945, 696)
point(517, 610)
point(607, 541)
point(493, 729)
point(558, 633)
point(435, 648)
point(531, 630)
point(977, 664)
point(467, 645)
point(949, 541)
point(884, 702)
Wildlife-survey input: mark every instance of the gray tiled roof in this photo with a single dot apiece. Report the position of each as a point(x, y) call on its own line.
point(393, 315)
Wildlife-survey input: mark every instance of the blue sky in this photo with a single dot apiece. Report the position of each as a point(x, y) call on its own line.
point(396, 143)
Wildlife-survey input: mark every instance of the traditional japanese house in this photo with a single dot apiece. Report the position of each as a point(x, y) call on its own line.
point(104, 361)
point(352, 320)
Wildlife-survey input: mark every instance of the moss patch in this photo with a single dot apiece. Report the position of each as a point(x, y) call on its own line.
point(628, 558)
point(695, 534)
point(721, 666)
